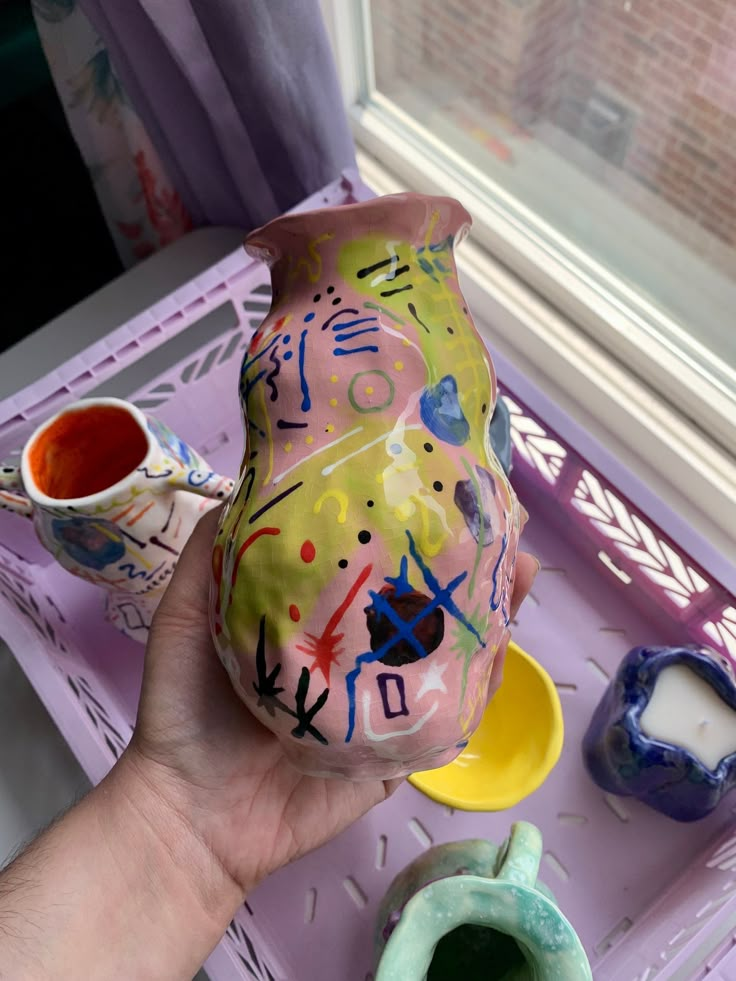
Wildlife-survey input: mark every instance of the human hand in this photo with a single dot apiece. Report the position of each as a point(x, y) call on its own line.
point(213, 765)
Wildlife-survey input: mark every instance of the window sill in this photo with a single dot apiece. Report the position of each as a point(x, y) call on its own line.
point(671, 458)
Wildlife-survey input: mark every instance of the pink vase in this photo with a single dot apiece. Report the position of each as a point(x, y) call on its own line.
point(363, 567)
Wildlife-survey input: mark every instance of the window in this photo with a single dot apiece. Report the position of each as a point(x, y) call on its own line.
point(594, 142)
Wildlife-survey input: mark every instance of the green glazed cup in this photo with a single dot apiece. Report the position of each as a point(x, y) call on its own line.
point(474, 911)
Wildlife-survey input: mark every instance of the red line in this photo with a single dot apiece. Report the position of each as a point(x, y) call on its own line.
point(140, 514)
point(123, 513)
point(247, 544)
point(343, 607)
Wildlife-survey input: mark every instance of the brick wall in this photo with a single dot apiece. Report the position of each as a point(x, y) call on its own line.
point(650, 84)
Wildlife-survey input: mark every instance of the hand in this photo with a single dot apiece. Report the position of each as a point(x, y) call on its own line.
point(208, 758)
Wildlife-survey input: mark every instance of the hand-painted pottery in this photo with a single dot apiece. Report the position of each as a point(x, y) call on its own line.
point(113, 495)
point(500, 434)
point(665, 759)
point(362, 571)
point(471, 910)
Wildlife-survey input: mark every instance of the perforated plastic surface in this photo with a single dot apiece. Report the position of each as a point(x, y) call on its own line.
point(649, 897)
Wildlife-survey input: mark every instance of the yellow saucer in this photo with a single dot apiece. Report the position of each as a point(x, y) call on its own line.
point(514, 748)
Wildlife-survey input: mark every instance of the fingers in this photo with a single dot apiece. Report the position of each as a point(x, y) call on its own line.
point(527, 567)
point(187, 595)
point(499, 661)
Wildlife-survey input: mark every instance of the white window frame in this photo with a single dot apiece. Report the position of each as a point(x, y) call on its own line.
point(592, 350)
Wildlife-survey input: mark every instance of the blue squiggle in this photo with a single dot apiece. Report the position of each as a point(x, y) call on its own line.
point(306, 400)
point(495, 603)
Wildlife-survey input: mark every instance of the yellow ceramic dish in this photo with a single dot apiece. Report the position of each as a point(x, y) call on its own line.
point(515, 747)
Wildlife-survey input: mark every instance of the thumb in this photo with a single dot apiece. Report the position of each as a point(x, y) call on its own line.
point(185, 604)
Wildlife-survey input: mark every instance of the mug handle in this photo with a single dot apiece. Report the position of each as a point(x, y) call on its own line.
point(206, 483)
point(519, 856)
point(12, 495)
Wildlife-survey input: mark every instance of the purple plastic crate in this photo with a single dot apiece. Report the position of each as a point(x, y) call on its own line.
point(649, 897)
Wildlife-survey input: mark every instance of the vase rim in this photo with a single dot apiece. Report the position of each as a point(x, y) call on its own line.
point(293, 221)
point(41, 499)
point(464, 894)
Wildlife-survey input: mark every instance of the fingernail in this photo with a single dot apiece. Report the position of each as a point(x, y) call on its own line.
point(538, 567)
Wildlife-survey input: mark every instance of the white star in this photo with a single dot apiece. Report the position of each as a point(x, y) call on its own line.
point(432, 679)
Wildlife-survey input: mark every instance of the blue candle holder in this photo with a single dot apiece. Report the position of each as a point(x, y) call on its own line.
point(623, 760)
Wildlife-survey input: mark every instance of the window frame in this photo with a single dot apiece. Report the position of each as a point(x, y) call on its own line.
point(593, 351)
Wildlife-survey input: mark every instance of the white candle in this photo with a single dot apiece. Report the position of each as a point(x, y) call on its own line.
point(684, 710)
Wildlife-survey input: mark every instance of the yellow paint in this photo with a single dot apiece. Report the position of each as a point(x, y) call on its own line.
point(342, 499)
point(369, 390)
point(333, 402)
point(399, 365)
point(514, 749)
point(429, 547)
point(430, 228)
point(309, 440)
point(405, 510)
point(329, 428)
point(288, 448)
point(333, 378)
point(406, 342)
point(312, 262)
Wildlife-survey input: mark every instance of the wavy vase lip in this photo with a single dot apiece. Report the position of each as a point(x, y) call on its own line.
point(404, 215)
point(41, 499)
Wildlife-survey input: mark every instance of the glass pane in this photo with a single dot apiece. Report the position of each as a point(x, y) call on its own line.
point(613, 120)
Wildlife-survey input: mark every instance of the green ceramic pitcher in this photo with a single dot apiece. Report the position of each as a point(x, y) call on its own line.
point(474, 911)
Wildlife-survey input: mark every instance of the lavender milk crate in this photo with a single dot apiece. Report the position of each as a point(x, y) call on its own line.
point(648, 896)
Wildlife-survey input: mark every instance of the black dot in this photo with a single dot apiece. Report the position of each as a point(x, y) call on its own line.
point(317, 297)
point(450, 330)
point(364, 537)
point(343, 563)
point(221, 493)
point(330, 289)
point(483, 408)
point(437, 485)
point(8, 470)
point(428, 447)
point(338, 299)
point(465, 309)
point(369, 503)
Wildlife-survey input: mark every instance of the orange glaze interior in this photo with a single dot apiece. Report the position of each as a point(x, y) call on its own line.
point(85, 451)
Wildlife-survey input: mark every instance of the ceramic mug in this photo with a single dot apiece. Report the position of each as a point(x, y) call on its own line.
point(113, 495)
point(471, 909)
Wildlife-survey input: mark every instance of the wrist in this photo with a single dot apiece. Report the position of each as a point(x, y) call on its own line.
point(144, 819)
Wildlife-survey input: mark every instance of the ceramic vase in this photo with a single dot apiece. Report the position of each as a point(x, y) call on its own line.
point(113, 495)
point(362, 570)
point(469, 909)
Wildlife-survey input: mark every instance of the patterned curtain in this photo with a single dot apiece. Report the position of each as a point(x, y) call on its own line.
point(196, 112)
point(141, 207)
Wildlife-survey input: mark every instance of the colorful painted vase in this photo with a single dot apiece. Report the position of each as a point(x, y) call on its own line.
point(668, 771)
point(362, 572)
point(471, 910)
point(500, 434)
point(113, 495)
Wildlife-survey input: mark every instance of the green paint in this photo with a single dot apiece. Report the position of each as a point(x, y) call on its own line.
point(364, 409)
point(377, 306)
point(466, 644)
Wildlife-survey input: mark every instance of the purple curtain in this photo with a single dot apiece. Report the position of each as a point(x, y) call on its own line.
point(240, 98)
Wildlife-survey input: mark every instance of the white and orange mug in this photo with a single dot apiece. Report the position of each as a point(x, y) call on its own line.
point(113, 495)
